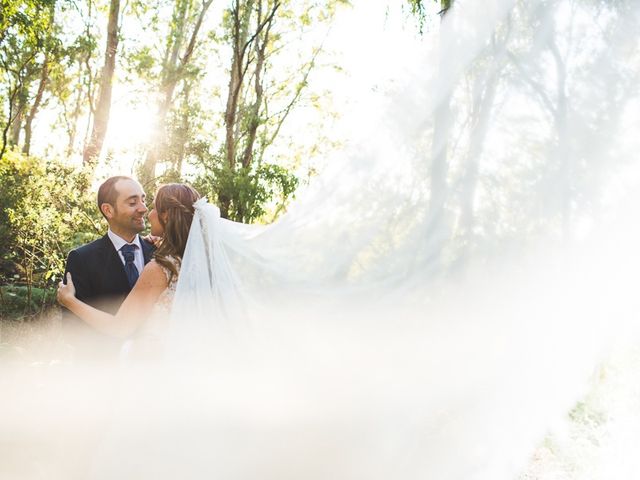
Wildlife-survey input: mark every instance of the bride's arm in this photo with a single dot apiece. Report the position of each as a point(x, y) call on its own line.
point(133, 311)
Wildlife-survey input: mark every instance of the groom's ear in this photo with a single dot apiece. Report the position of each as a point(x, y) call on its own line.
point(107, 210)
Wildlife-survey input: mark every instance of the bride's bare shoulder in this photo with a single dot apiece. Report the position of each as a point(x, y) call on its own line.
point(153, 275)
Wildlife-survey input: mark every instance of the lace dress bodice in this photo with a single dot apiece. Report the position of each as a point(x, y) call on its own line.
point(166, 298)
point(148, 342)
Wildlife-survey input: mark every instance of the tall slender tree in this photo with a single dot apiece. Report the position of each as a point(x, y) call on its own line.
point(26, 35)
point(186, 24)
point(101, 113)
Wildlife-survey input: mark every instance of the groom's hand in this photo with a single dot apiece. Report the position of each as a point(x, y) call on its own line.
point(66, 292)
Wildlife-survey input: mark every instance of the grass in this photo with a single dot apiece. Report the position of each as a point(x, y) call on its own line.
point(34, 339)
point(30, 324)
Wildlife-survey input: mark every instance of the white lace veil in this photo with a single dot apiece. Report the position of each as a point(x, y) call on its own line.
point(209, 283)
point(374, 271)
point(536, 133)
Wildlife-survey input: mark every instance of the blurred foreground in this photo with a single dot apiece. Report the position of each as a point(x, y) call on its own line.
point(374, 398)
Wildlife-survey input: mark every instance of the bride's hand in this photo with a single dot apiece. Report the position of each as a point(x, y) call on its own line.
point(152, 239)
point(66, 292)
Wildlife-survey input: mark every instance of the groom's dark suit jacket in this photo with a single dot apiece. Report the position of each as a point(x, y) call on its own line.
point(100, 281)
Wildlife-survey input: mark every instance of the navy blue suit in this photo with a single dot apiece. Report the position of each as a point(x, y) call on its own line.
point(100, 280)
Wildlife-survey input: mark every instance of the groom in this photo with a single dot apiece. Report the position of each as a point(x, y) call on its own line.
point(105, 271)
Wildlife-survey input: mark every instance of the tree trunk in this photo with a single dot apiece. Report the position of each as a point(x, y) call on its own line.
point(72, 122)
point(169, 81)
point(484, 98)
point(562, 151)
point(180, 153)
point(16, 124)
point(254, 119)
point(44, 78)
point(158, 142)
point(235, 83)
point(238, 70)
point(441, 129)
point(101, 118)
point(172, 74)
point(90, 83)
point(13, 93)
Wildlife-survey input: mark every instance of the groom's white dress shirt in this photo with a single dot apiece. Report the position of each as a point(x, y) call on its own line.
point(119, 242)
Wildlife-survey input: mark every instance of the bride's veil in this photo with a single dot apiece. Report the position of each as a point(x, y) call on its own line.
point(505, 135)
point(467, 247)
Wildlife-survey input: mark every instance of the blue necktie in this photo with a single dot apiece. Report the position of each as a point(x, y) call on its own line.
point(129, 265)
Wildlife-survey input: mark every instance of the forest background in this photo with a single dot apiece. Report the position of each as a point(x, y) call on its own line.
point(174, 90)
point(245, 99)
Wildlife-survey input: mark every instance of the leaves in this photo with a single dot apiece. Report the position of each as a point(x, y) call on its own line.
point(43, 217)
point(253, 193)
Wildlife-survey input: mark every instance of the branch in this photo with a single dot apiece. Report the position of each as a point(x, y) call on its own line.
point(296, 97)
point(192, 41)
point(261, 26)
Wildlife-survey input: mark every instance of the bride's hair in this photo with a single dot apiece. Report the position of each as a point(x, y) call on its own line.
point(176, 201)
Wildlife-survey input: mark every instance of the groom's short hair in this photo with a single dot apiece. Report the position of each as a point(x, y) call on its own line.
point(108, 193)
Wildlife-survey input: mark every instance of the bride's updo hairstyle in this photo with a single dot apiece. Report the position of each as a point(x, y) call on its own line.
point(174, 202)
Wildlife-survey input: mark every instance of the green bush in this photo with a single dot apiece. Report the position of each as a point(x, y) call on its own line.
point(46, 211)
point(19, 301)
point(246, 194)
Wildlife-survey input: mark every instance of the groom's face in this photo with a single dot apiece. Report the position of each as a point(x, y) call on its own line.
point(127, 215)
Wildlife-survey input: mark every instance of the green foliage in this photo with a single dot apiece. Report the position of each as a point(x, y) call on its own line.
point(263, 90)
point(18, 301)
point(142, 63)
point(50, 57)
point(418, 9)
point(25, 33)
point(24, 19)
point(248, 191)
point(45, 213)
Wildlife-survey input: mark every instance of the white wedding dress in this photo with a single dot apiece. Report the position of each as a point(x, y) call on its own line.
point(148, 344)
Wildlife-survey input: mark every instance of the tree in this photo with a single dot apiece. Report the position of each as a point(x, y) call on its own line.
point(93, 148)
point(486, 80)
point(26, 44)
point(42, 218)
point(72, 82)
point(442, 123)
point(567, 117)
point(186, 23)
point(245, 37)
point(257, 104)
